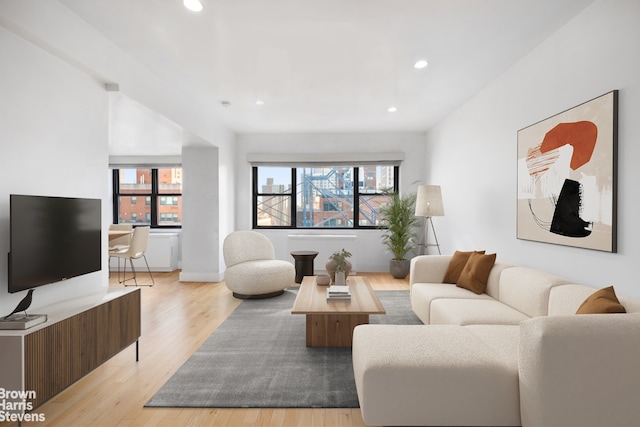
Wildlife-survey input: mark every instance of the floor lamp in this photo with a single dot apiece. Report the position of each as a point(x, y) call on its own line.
point(429, 204)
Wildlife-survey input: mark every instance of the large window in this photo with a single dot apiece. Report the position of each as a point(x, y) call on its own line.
point(148, 196)
point(321, 196)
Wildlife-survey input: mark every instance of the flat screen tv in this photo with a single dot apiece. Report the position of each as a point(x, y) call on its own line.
point(52, 239)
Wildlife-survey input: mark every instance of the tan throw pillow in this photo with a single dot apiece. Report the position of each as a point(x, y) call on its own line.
point(601, 302)
point(476, 271)
point(457, 263)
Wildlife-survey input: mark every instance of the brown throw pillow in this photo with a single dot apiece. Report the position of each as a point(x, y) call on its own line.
point(475, 273)
point(457, 263)
point(600, 302)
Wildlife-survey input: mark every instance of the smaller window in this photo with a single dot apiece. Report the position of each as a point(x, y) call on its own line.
point(162, 192)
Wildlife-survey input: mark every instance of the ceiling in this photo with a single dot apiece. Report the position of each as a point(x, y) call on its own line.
point(328, 65)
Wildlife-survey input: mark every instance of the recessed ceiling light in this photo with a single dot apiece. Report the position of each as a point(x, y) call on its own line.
point(392, 109)
point(259, 102)
point(421, 64)
point(193, 5)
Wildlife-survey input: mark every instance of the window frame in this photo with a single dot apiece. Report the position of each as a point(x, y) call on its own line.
point(293, 195)
point(153, 197)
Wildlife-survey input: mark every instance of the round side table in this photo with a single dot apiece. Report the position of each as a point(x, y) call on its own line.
point(303, 263)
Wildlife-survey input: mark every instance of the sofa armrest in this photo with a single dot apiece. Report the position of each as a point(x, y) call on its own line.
point(580, 370)
point(428, 268)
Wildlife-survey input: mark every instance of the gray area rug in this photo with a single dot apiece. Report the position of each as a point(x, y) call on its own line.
point(257, 358)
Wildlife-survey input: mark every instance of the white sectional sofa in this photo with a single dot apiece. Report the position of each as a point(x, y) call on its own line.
point(514, 355)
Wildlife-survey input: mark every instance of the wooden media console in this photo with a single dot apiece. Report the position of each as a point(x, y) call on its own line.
point(78, 336)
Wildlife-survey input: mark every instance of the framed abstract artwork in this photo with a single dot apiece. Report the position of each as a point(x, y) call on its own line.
point(567, 171)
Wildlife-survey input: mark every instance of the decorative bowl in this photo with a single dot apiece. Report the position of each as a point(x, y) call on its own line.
point(323, 280)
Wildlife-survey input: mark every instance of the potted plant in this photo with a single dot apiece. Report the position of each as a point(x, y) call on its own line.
point(399, 222)
point(339, 262)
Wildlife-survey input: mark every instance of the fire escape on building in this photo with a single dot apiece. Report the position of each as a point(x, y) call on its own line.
point(335, 188)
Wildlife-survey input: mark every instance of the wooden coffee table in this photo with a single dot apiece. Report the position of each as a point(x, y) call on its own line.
point(330, 324)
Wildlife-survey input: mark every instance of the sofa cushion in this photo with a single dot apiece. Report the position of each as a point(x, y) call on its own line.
point(527, 290)
point(504, 340)
point(422, 295)
point(432, 269)
point(436, 375)
point(601, 302)
point(493, 282)
point(580, 370)
point(564, 300)
point(473, 312)
point(456, 265)
point(630, 304)
point(428, 268)
point(476, 271)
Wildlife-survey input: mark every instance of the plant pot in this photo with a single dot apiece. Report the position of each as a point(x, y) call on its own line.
point(331, 269)
point(399, 268)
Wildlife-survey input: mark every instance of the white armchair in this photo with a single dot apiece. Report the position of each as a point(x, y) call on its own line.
point(252, 270)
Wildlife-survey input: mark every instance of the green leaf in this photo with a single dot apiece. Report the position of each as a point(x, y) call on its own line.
point(399, 222)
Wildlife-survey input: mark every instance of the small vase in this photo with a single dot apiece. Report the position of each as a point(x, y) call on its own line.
point(340, 278)
point(331, 269)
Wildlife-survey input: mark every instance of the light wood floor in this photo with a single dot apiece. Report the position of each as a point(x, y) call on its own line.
point(176, 319)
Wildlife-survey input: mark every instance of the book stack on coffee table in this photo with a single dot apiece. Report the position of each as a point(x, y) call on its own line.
point(338, 293)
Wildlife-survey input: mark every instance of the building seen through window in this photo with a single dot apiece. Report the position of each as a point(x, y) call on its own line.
point(148, 196)
point(324, 197)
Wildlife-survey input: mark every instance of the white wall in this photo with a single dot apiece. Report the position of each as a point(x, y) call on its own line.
point(472, 153)
point(200, 200)
point(227, 191)
point(53, 135)
point(367, 247)
point(67, 41)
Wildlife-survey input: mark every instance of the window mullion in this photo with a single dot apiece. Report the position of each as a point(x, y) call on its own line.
point(254, 184)
point(294, 198)
point(396, 179)
point(154, 197)
point(115, 178)
point(356, 197)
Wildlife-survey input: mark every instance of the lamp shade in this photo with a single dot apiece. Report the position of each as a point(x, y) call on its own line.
point(429, 201)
